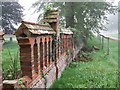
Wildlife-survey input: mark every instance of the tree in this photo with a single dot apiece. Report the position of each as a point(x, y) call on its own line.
point(69, 15)
point(85, 17)
point(11, 15)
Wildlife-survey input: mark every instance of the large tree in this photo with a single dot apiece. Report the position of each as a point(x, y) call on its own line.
point(85, 17)
point(12, 13)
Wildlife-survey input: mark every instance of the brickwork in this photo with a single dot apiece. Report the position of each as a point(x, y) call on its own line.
point(1, 43)
point(42, 57)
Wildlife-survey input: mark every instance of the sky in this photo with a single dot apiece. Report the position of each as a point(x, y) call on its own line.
point(28, 12)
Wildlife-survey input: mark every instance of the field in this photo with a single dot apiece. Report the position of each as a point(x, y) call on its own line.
point(101, 72)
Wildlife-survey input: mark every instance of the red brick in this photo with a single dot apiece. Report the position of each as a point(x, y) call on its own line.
point(10, 84)
point(24, 73)
point(23, 41)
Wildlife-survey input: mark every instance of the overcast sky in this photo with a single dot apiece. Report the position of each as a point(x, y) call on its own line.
point(29, 16)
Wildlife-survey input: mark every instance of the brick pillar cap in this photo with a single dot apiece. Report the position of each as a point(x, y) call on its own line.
point(10, 81)
point(2, 33)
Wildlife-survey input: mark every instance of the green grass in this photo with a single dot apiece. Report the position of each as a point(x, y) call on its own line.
point(9, 48)
point(102, 72)
point(10, 52)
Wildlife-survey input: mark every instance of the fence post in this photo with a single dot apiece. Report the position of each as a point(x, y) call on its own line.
point(108, 47)
point(102, 41)
point(99, 37)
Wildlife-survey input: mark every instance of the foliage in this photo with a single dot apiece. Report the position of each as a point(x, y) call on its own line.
point(11, 64)
point(85, 17)
point(101, 72)
point(92, 18)
point(11, 15)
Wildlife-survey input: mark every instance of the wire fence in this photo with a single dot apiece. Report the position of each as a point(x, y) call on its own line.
point(105, 42)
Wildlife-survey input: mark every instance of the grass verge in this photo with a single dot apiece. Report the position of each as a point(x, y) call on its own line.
point(101, 72)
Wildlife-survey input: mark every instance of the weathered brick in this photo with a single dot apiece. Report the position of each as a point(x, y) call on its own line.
point(28, 73)
point(23, 40)
point(10, 84)
point(36, 55)
point(1, 43)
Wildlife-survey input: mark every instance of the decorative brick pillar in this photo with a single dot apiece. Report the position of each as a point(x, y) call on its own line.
point(27, 57)
point(1, 43)
point(38, 58)
point(1, 85)
point(47, 51)
point(1, 67)
point(50, 50)
point(59, 50)
point(70, 41)
point(65, 43)
point(43, 59)
point(73, 42)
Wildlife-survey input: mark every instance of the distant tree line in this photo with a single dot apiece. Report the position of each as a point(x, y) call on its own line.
point(12, 13)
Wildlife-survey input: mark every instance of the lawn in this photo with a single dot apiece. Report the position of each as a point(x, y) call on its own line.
point(101, 72)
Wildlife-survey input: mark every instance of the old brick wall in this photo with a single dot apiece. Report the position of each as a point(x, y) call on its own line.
point(50, 77)
point(44, 53)
point(0, 64)
point(1, 43)
point(54, 71)
point(38, 68)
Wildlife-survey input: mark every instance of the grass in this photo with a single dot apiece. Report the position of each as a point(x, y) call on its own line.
point(102, 72)
point(10, 52)
point(11, 47)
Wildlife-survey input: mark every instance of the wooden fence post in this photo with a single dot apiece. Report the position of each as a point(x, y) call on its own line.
point(108, 47)
point(102, 41)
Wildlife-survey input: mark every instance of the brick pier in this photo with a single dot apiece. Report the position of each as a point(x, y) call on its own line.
point(1, 43)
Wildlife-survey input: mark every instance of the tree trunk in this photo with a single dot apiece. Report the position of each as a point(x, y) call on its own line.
point(69, 14)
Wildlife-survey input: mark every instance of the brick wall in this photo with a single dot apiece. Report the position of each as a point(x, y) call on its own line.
point(36, 60)
point(1, 43)
point(38, 68)
point(44, 53)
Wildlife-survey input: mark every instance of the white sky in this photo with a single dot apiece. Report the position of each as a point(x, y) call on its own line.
point(29, 16)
